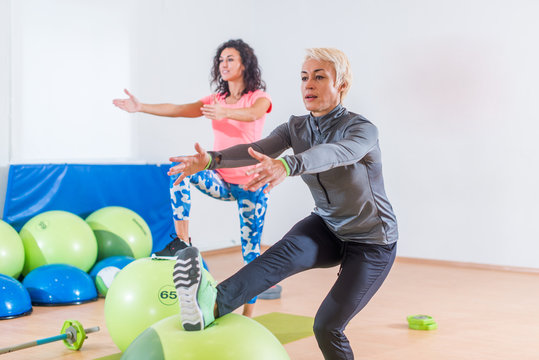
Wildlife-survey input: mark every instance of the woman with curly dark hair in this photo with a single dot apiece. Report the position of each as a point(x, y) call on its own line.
point(238, 110)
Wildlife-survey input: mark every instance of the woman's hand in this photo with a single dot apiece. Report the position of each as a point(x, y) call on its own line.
point(189, 165)
point(213, 111)
point(269, 171)
point(131, 105)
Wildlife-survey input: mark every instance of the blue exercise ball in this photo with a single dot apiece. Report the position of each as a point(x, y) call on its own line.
point(14, 298)
point(59, 284)
point(106, 270)
point(119, 261)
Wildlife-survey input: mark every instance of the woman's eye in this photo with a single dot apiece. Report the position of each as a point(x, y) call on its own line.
point(304, 78)
point(319, 77)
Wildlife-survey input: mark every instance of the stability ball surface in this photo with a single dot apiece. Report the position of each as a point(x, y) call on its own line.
point(231, 337)
point(106, 270)
point(116, 261)
point(120, 231)
point(59, 284)
point(58, 237)
point(140, 295)
point(14, 299)
point(11, 251)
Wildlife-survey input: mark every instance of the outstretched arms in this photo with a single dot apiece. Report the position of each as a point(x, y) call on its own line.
point(215, 111)
point(189, 165)
point(268, 170)
point(132, 105)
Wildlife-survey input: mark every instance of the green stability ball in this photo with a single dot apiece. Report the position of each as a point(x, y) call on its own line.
point(11, 251)
point(231, 337)
point(58, 237)
point(140, 295)
point(120, 231)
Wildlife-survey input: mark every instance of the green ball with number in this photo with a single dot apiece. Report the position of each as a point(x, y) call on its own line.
point(140, 295)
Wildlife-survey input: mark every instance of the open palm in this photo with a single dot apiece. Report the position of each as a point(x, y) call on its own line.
point(131, 105)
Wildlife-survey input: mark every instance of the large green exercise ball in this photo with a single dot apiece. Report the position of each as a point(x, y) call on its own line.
point(58, 237)
point(231, 337)
point(120, 231)
point(11, 251)
point(140, 295)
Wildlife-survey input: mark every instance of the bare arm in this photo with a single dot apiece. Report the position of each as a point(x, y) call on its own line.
point(252, 113)
point(191, 110)
point(132, 105)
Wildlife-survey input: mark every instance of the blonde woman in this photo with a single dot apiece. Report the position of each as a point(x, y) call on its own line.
point(336, 152)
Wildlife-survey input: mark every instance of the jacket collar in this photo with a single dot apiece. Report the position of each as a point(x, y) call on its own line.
point(325, 122)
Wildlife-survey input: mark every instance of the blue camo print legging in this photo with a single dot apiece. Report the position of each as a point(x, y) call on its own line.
point(251, 205)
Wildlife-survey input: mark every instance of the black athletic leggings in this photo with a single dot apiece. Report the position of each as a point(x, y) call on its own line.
point(310, 244)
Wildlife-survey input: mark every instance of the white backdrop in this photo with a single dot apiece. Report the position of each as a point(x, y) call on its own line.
point(452, 87)
point(5, 95)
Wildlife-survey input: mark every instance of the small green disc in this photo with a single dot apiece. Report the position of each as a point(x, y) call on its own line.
point(421, 322)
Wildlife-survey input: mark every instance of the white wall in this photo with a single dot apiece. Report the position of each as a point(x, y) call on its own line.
point(451, 86)
point(5, 95)
point(67, 56)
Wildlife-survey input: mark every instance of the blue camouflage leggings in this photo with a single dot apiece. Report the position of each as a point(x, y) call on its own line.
point(251, 205)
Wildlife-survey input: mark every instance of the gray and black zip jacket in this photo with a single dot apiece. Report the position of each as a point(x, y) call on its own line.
point(338, 157)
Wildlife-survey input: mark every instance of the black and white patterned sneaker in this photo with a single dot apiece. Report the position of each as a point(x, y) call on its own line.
point(187, 275)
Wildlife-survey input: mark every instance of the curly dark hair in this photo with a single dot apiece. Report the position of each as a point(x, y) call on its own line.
point(252, 76)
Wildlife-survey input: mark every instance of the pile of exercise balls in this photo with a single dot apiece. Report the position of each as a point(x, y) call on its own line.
point(58, 247)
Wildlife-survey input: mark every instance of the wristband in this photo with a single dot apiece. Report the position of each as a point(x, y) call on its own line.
point(287, 168)
point(208, 164)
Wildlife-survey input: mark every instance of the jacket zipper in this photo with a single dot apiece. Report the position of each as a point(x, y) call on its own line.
point(323, 188)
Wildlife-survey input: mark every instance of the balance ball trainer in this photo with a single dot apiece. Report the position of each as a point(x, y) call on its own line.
point(58, 237)
point(59, 284)
point(14, 298)
point(120, 231)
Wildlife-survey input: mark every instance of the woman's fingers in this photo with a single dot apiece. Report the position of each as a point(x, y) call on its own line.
point(174, 170)
point(208, 111)
point(180, 178)
point(199, 149)
point(269, 171)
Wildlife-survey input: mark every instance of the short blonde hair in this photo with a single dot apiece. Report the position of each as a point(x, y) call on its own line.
point(340, 63)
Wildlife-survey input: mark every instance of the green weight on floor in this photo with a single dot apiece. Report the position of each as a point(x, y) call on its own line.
point(11, 251)
point(58, 237)
point(231, 337)
point(120, 231)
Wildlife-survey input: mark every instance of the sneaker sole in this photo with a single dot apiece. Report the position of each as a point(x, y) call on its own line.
point(187, 275)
